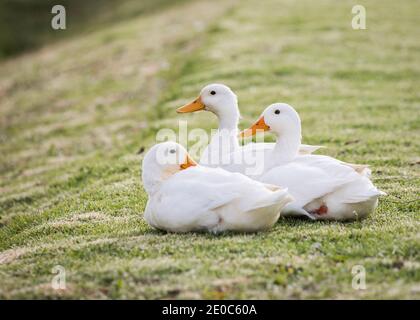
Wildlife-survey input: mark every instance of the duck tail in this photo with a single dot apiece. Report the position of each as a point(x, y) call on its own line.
point(309, 149)
point(362, 169)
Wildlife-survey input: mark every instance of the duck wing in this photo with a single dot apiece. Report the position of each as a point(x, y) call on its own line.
point(266, 146)
point(308, 149)
point(311, 177)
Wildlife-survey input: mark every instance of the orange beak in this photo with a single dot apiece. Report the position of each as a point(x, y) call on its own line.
point(252, 130)
point(196, 105)
point(189, 162)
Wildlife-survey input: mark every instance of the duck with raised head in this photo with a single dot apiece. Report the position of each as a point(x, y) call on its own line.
point(324, 188)
point(185, 196)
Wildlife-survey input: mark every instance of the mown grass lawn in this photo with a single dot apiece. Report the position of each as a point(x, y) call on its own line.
point(75, 113)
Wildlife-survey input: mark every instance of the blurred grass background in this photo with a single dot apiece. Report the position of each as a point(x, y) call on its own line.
point(77, 105)
point(26, 24)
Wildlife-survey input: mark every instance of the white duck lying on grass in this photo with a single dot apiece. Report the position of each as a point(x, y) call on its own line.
point(220, 100)
point(184, 196)
point(323, 187)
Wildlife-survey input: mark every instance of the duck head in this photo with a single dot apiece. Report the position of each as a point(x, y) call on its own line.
point(218, 99)
point(162, 161)
point(279, 118)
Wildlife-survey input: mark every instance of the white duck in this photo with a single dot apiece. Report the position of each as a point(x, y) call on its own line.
point(323, 187)
point(224, 150)
point(184, 196)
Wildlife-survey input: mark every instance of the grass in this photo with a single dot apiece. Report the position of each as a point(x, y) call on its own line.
point(74, 114)
point(26, 24)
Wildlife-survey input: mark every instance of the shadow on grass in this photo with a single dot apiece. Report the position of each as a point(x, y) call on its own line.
point(289, 222)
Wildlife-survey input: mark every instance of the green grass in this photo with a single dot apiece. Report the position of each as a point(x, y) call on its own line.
point(75, 113)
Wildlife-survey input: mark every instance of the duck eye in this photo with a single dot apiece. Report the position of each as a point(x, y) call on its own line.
point(277, 111)
point(212, 92)
point(172, 151)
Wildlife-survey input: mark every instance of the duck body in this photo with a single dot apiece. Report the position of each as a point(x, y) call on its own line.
point(324, 188)
point(212, 199)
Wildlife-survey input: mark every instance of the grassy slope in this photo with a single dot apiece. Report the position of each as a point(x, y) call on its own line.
point(26, 24)
point(74, 114)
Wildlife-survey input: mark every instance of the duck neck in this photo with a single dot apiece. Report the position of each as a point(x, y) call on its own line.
point(228, 127)
point(153, 176)
point(286, 147)
point(229, 120)
point(224, 141)
point(151, 180)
